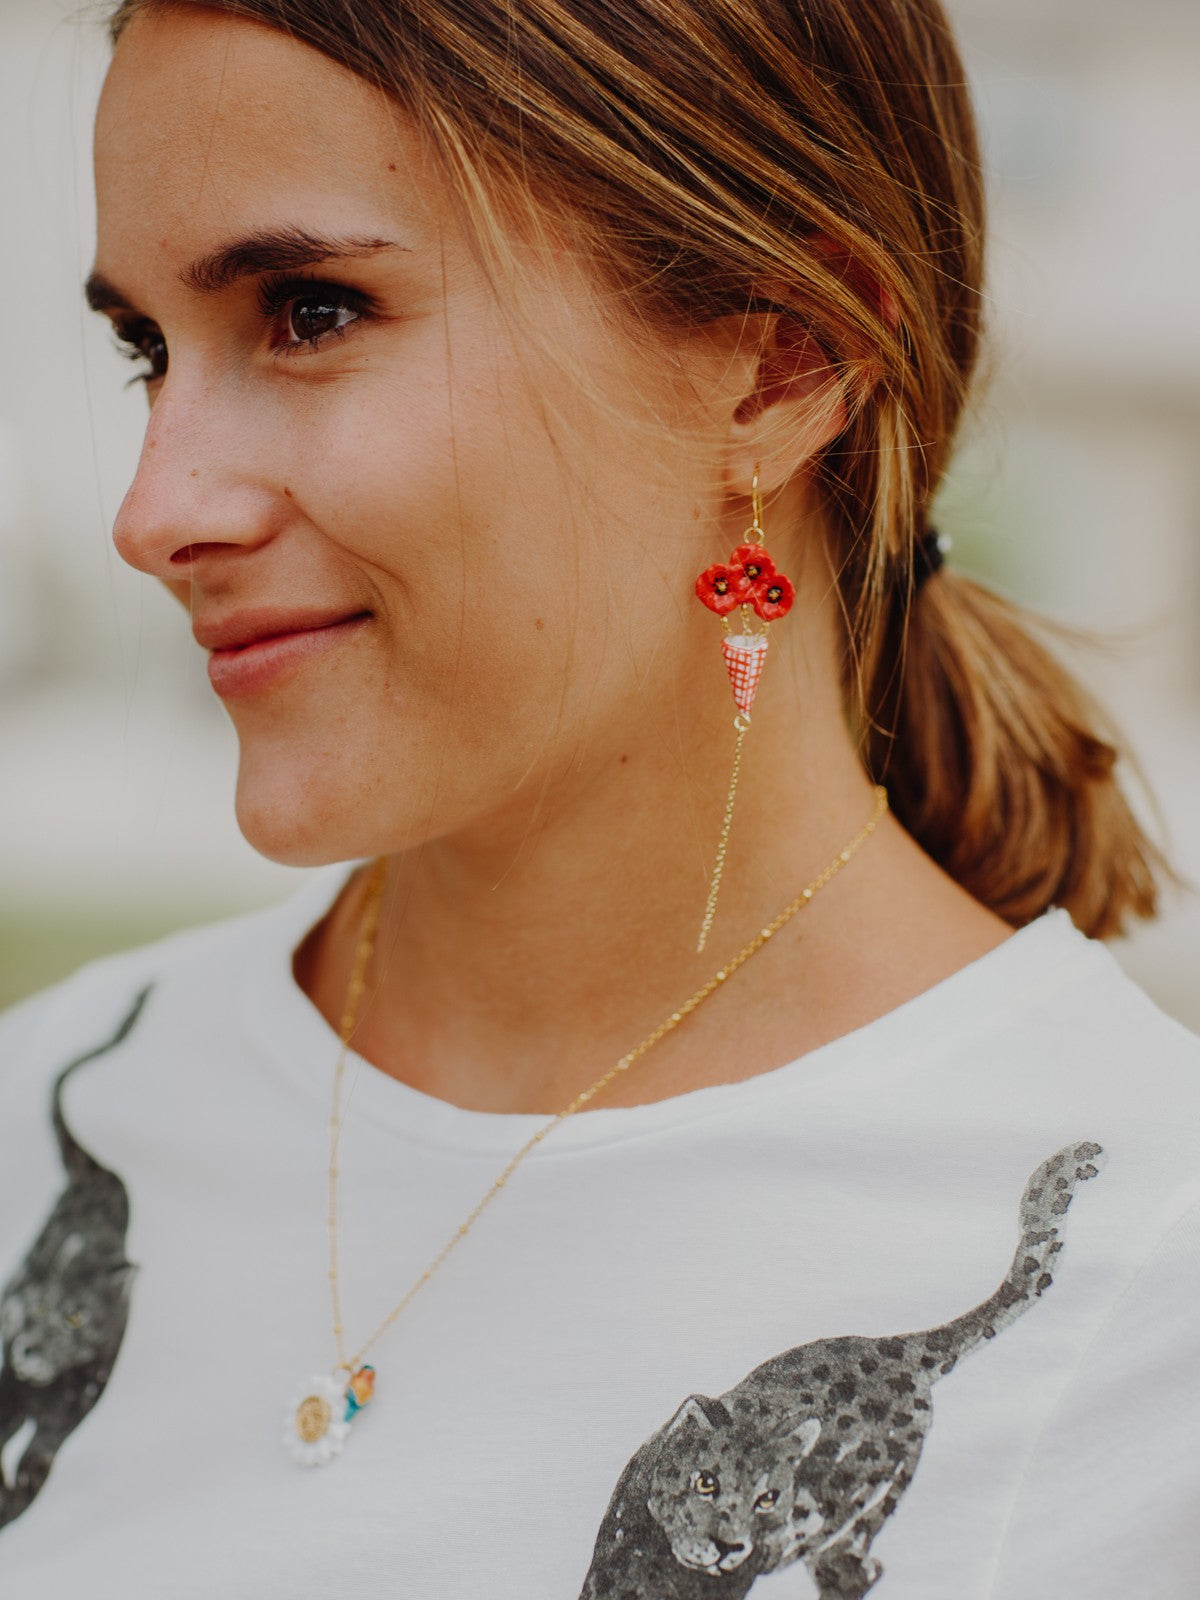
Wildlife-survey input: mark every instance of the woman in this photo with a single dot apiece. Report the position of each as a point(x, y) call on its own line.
point(493, 354)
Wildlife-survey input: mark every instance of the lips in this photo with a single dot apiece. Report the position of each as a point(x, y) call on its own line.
point(241, 629)
point(254, 650)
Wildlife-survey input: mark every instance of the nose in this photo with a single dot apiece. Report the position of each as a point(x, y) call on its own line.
point(200, 490)
point(730, 1556)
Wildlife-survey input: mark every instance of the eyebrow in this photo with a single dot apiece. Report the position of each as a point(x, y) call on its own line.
point(268, 250)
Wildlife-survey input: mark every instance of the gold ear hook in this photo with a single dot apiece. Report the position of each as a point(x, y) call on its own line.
point(756, 498)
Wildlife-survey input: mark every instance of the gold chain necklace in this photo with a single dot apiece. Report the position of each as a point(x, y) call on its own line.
point(318, 1422)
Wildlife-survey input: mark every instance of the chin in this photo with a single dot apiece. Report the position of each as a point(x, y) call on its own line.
point(291, 839)
point(298, 815)
point(303, 805)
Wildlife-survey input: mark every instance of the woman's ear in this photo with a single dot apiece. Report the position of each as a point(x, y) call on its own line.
point(795, 407)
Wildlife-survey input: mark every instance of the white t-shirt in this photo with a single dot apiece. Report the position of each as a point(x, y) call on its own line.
point(826, 1330)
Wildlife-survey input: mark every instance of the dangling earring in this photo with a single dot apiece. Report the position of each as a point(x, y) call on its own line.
point(748, 580)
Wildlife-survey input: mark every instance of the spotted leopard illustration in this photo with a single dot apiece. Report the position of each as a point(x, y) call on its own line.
point(807, 1457)
point(63, 1312)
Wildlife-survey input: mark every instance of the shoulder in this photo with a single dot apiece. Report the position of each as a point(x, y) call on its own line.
point(1044, 1043)
point(1065, 1000)
point(1047, 1017)
point(1106, 1022)
point(183, 973)
point(1079, 1047)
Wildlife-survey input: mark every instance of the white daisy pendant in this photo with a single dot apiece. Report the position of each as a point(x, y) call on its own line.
point(318, 1421)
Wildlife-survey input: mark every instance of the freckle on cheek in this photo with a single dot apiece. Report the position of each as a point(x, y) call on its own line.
point(539, 624)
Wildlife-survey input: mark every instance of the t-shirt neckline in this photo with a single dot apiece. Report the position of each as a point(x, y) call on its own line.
point(293, 1032)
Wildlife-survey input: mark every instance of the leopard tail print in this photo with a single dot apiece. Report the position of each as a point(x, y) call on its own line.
point(1044, 1204)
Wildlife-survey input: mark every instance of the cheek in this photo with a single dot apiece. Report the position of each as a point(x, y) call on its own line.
point(444, 490)
point(418, 462)
point(502, 551)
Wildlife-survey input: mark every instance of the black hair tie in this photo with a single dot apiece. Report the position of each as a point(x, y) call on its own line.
point(929, 556)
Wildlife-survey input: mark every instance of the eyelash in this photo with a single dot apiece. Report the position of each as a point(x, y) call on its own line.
point(276, 292)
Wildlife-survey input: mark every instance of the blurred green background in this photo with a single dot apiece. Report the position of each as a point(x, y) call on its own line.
point(39, 946)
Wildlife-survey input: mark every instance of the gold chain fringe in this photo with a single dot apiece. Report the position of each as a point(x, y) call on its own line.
point(742, 724)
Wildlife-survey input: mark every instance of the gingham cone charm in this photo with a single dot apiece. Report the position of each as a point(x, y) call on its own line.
point(745, 657)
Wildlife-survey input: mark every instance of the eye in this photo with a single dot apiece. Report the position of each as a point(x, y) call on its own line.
point(75, 1319)
point(312, 318)
point(768, 1501)
point(142, 341)
point(705, 1483)
point(312, 312)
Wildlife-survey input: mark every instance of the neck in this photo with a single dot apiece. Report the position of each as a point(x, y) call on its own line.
point(519, 959)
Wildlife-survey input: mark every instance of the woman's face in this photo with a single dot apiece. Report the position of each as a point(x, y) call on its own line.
point(438, 583)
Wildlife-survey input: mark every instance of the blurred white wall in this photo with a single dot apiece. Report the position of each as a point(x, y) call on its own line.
point(118, 762)
point(1078, 488)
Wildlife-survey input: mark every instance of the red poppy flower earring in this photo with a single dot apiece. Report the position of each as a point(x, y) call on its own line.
point(749, 581)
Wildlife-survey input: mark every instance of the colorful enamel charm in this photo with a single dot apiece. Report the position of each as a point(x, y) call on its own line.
point(751, 581)
point(359, 1391)
point(745, 657)
point(318, 1423)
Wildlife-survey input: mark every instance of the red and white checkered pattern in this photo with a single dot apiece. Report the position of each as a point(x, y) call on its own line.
point(745, 657)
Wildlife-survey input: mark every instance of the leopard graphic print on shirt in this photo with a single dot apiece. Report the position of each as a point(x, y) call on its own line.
point(807, 1457)
point(63, 1312)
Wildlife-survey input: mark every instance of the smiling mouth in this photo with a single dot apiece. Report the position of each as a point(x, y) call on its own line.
point(246, 661)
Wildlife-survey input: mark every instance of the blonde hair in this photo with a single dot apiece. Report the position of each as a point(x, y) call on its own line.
point(819, 161)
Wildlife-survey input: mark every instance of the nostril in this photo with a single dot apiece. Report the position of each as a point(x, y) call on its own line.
point(188, 553)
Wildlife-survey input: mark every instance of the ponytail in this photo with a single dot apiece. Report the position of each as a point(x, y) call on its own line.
point(1000, 764)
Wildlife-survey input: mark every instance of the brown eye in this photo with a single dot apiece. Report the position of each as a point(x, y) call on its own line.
point(316, 316)
point(704, 1483)
point(310, 313)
